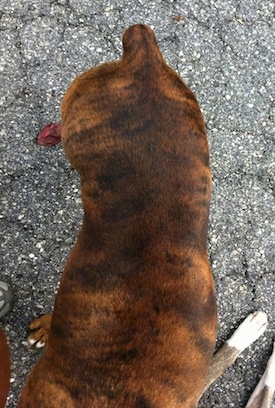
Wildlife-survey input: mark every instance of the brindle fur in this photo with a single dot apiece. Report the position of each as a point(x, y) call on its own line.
point(134, 322)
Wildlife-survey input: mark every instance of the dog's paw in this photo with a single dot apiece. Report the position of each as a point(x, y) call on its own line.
point(248, 331)
point(39, 331)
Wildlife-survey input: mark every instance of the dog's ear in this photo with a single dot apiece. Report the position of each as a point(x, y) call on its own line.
point(4, 369)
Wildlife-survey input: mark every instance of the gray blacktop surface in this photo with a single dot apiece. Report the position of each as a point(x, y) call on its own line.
point(225, 51)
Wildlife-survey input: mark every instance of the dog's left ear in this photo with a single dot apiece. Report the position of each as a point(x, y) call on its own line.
point(5, 370)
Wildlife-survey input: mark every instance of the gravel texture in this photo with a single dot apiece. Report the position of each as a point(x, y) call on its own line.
point(224, 50)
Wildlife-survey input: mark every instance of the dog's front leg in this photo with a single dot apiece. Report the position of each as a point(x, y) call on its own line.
point(248, 331)
point(263, 393)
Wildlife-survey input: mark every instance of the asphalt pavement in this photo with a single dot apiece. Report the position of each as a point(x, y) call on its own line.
point(225, 51)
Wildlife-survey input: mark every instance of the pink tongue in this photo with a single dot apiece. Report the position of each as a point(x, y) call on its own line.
point(50, 135)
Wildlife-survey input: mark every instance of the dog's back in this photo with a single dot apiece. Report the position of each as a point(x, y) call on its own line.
point(134, 323)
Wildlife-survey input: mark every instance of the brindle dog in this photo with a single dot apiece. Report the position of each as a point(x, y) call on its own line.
point(134, 321)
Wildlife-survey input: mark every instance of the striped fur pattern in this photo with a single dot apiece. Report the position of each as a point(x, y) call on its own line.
point(134, 321)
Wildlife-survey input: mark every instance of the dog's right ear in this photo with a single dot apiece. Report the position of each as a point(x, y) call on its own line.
point(5, 370)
